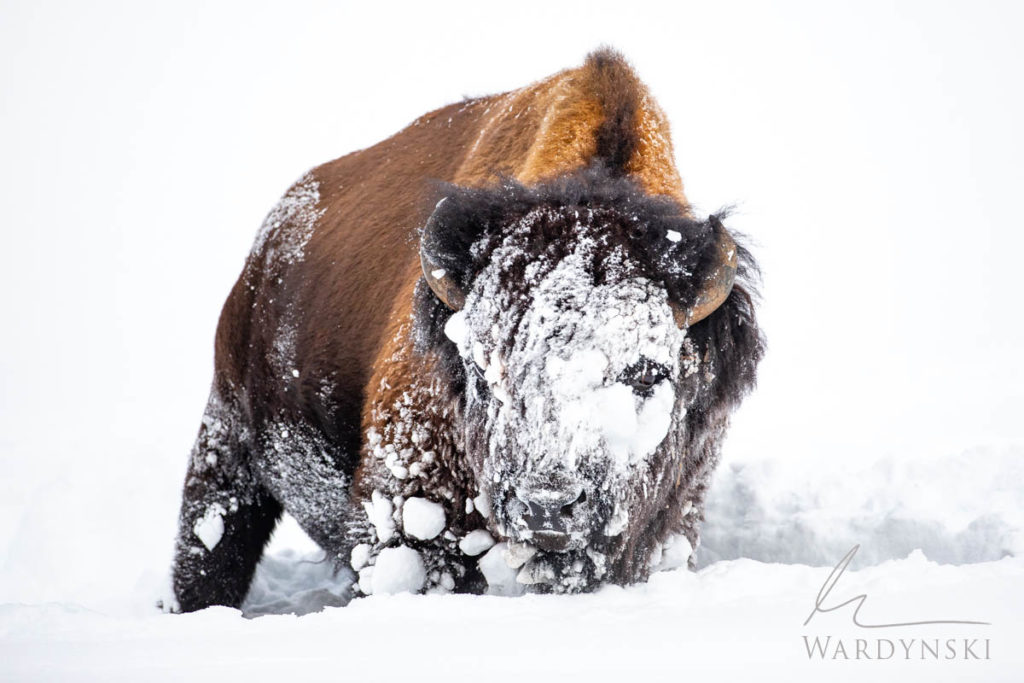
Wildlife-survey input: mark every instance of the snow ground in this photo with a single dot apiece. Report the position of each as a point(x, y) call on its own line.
point(874, 150)
point(77, 593)
point(725, 620)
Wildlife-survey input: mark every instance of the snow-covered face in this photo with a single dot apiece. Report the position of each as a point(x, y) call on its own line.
point(573, 360)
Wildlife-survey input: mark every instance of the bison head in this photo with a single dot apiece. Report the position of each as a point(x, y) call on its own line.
point(596, 339)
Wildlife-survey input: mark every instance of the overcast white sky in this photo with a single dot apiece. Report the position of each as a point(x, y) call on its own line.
point(874, 152)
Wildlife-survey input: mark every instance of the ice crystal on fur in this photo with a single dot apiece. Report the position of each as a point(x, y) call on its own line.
point(297, 209)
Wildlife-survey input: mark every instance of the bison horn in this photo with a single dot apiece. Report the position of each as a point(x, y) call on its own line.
point(717, 284)
point(441, 280)
point(442, 283)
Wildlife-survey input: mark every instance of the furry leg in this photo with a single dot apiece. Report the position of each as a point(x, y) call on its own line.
point(226, 516)
point(296, 464)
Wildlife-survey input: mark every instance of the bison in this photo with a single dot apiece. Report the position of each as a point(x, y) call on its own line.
point(496, 352)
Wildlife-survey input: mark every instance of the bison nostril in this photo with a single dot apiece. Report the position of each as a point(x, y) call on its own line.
point(549, 511)
point(568, 509)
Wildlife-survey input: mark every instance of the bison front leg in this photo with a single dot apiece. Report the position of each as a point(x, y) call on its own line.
point(226, 516)
point(301, 467)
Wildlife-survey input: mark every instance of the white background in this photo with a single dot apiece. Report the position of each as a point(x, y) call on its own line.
point(873, 151)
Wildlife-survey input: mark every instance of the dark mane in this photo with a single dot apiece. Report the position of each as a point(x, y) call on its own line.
point(616, 87)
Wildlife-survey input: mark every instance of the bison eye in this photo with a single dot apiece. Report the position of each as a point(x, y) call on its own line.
point(644, 376)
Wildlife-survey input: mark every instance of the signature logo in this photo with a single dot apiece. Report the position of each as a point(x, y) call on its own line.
point(831, 647)
point(833, 579)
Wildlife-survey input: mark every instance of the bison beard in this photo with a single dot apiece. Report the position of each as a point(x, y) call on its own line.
point(538, 409)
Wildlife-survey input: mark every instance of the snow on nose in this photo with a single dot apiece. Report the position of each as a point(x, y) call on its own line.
point(630, 426)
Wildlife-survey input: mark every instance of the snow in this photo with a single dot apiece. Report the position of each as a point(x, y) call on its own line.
point(675, 553)
point(380, 512)
point(501, 578)
point(482, 503)
point(297, 208)
point(455, 329)
point(714, 622)
point(956, 507)
point(398, 570)
point(210, 527)
point(630, 428)
point(518, 554)
point(359, 556)
point(76, 617)
point(617, 524)
point(297, 579)
point(475, 542)
point(422, 518)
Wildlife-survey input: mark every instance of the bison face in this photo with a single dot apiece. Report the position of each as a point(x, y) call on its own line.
point(574, 364)
point(570, 357)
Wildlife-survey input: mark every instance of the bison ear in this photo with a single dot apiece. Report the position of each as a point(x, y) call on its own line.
point(439, 263)
point(717, 283)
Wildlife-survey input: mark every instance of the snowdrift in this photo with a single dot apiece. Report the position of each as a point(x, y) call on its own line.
point(939, 539)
